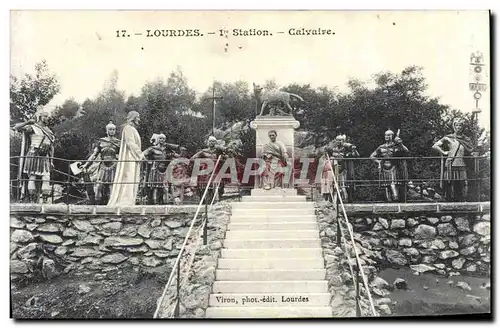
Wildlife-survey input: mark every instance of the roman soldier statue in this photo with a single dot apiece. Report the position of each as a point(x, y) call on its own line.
point(340, 152)
point(213, 151)
point(157, 181)
point(105, 152)
point(454, 147)
point(275, 155)
point(36, 159)
point(393, 172)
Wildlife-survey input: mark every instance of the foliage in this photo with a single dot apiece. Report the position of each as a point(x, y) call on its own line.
point(31, 92)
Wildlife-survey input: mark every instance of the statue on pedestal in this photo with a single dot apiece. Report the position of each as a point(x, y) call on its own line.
point(275, 155)
point(274, 98)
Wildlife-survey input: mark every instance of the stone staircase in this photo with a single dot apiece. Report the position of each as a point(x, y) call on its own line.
point(272, 263)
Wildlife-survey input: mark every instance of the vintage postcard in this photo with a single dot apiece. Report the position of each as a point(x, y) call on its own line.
point(249, 164)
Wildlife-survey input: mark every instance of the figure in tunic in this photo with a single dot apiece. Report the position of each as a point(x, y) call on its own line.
point(393, 172)
point(106, 151)
point(275, 155)
point(454, 147)
point(213, 151)
point(339, 154)
point(156, 181)
point(127, 176)
point(37, 158)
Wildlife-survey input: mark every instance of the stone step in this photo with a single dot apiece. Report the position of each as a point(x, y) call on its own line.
point(273, 192)
point(269, 312)
point(271, 263)
point(269, 300)
point(272, 243)
point(256, 210)
point(245, 217)
point(265, 253)
point(299, 225)
point(273, 199)
point(269, 275)
point(271, 234)
point(272, 205)
point(302, 286)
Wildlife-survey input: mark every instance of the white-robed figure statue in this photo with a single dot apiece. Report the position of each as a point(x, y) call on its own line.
point(127, 176)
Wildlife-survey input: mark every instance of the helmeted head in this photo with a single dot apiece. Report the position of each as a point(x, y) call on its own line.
point(110, 129)
point(133, 117)
point(340, 139)
point(212, 141)
point(43, 117)
point(458, 125)
point(154, 139)
point(161, 139)
point(272, 135)
point(389, 135)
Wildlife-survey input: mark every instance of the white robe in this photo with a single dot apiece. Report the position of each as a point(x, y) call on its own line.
point(127, 176)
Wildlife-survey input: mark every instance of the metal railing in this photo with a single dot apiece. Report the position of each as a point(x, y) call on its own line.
point(423, 183)
point(341, 235)
point(65, 187)
point(174, 297)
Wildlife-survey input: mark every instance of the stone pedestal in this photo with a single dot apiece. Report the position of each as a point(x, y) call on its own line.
point(284, 127)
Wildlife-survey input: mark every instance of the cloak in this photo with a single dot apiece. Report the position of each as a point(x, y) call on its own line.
point(128, 170)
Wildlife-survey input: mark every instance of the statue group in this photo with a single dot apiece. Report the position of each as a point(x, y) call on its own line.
point(122, 168)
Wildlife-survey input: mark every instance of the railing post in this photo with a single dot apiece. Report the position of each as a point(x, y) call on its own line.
point(478, 177)
point(67, 183)
point(338, 224)
point(205, 226)
point(358, 309)
point(178, 303)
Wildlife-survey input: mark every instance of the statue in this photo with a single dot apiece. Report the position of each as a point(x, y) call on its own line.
point(274, 97)
point(106, 150)
point(37, 151)
point(339, 154)
point(457, 145)
point(275, 155)
point(128, 170)
point(156, 180)
point(213, 151)
point(393, 173)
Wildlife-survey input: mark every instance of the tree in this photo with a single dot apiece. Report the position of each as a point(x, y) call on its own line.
point(31, 92)
point(67, 110)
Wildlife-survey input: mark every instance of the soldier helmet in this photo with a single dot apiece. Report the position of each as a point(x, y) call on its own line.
point(110, 125)
point(341, 137)
point(154, 138)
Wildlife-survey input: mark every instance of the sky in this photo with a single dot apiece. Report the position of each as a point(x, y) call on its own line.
point(82, 49)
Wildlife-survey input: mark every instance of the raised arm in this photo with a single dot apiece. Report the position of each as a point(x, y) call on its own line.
point(92, 157)
point(25, 126)
point(374, 157)
point(438, 146)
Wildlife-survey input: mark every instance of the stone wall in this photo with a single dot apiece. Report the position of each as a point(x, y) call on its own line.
point(95, 240)
point(338, 272)
point(449, 239)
